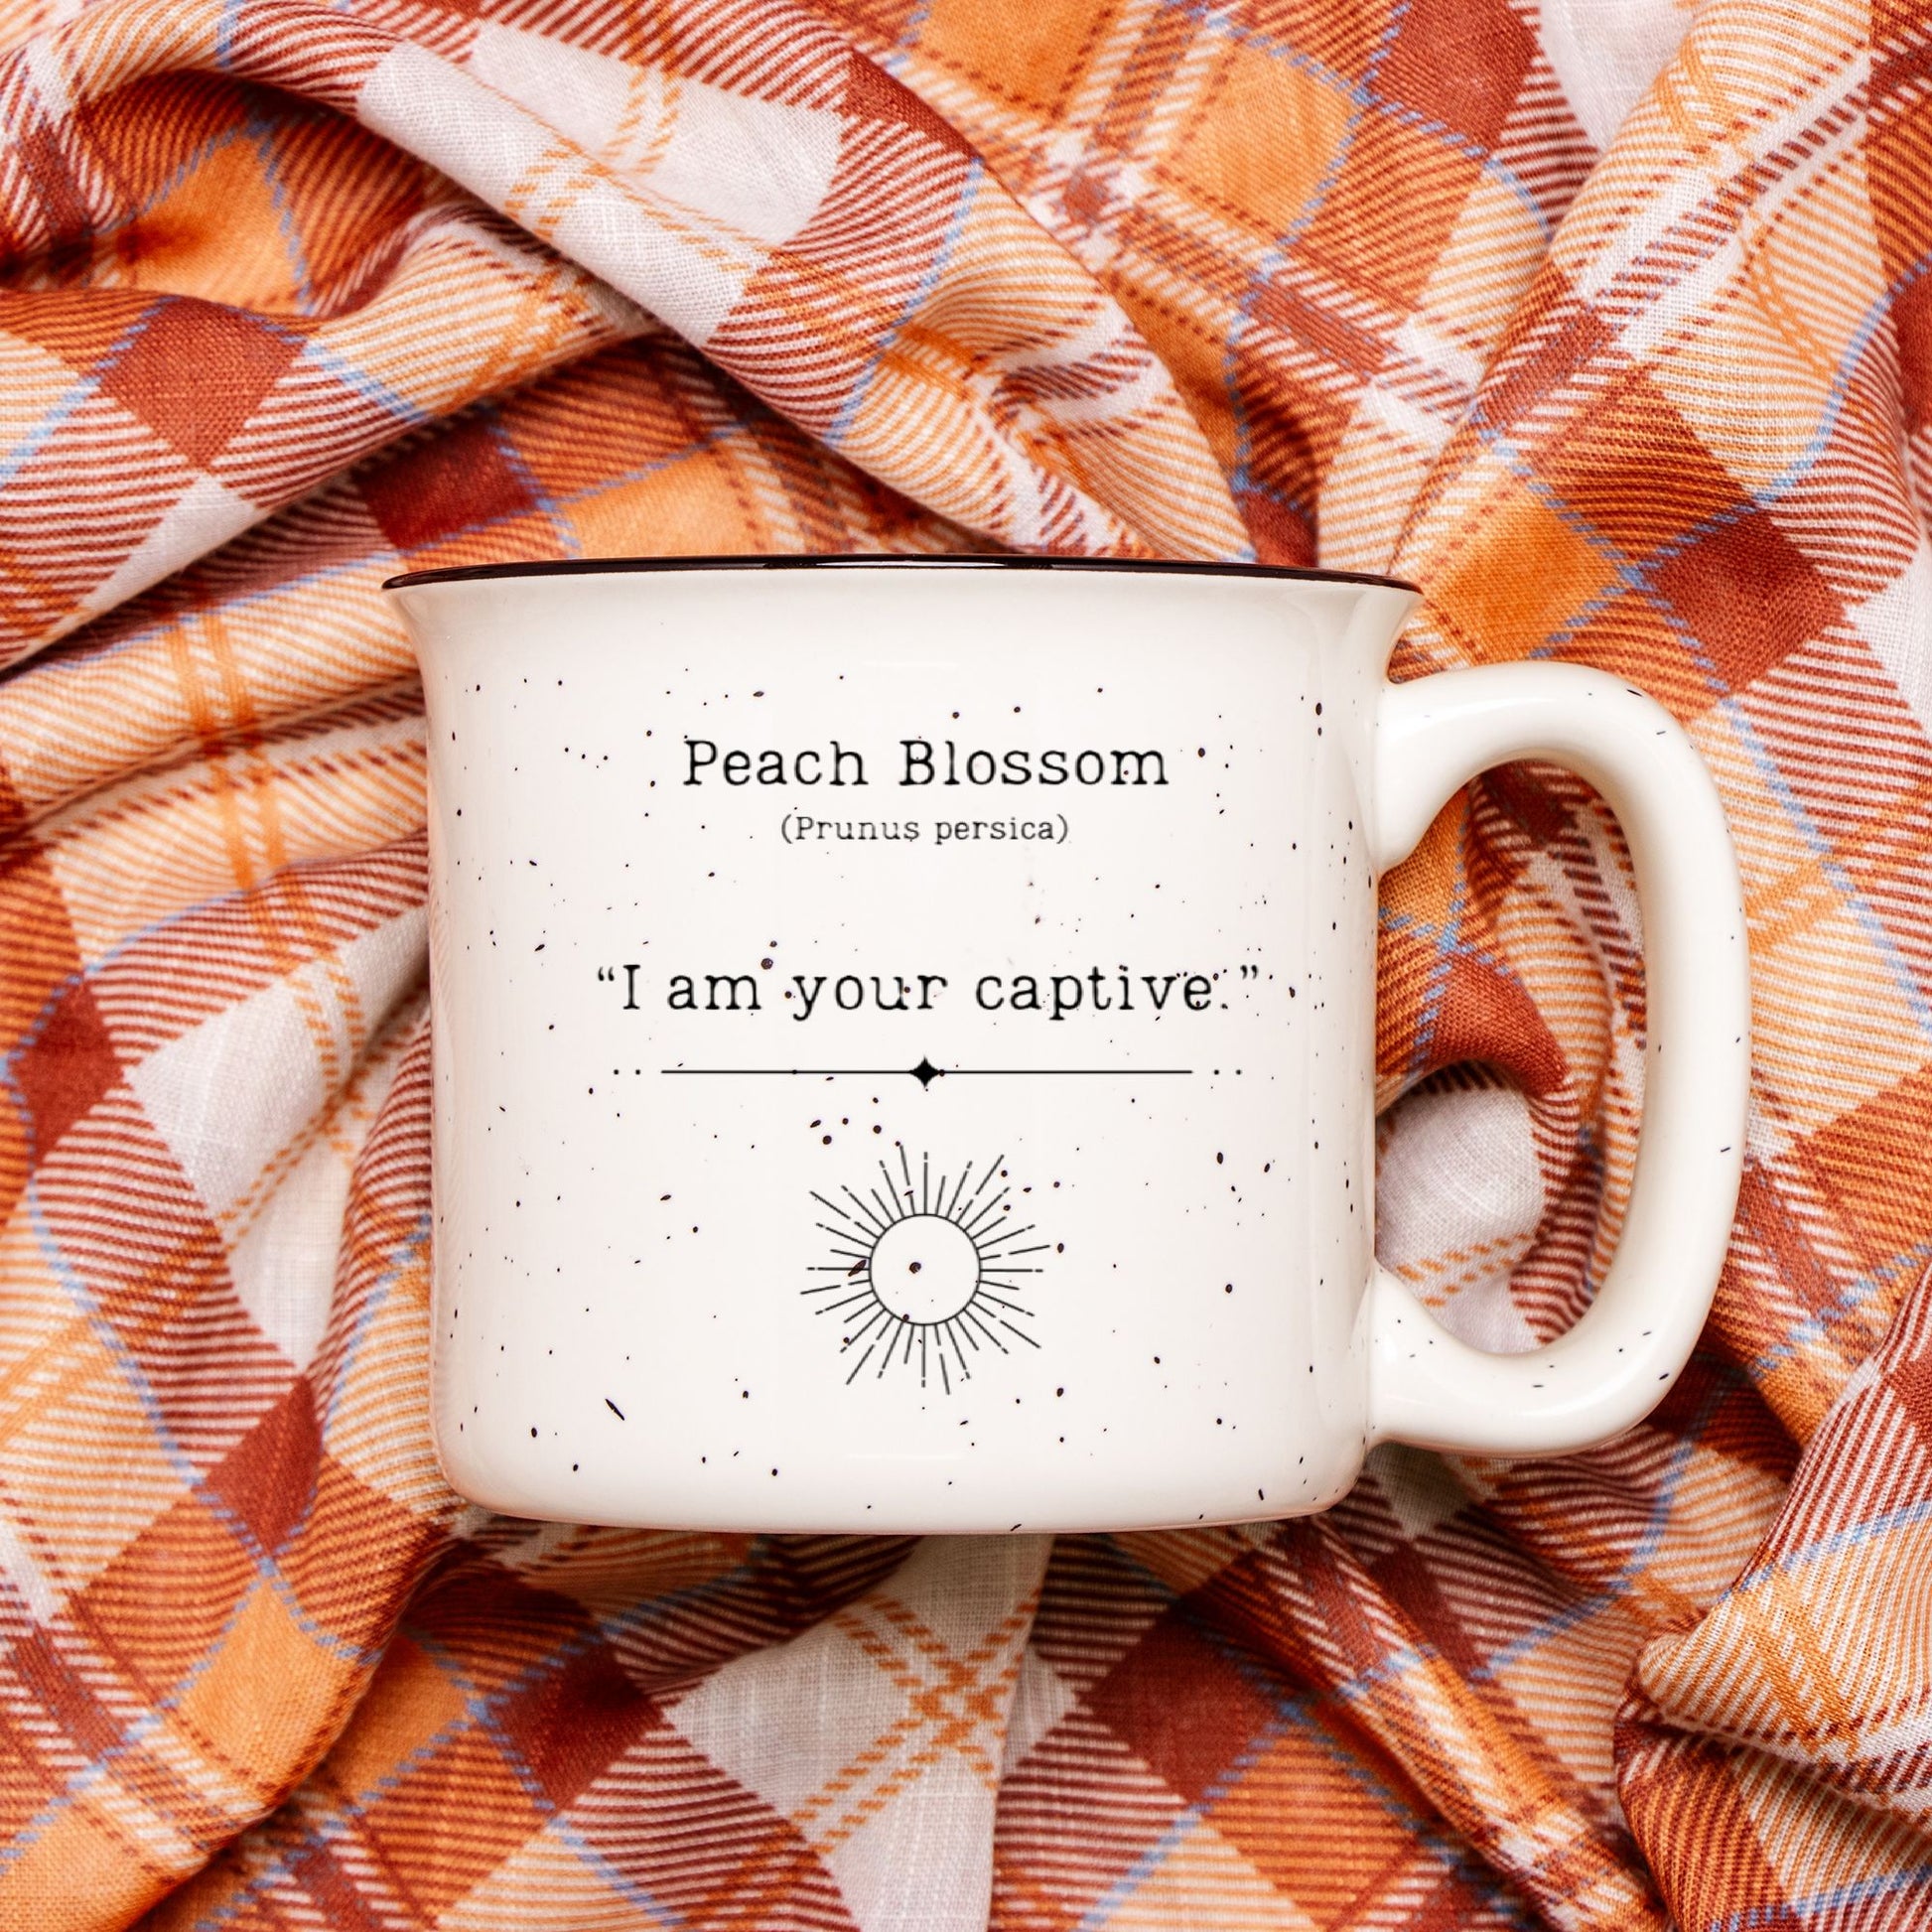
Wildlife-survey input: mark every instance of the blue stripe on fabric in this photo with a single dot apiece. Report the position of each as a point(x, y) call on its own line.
point(1855, 1292)
point(1910, 1879)
point(515, 461)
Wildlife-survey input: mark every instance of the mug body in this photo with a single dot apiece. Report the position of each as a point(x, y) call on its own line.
point(902, 1040)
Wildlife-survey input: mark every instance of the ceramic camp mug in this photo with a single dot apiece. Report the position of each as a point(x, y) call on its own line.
point(904, 1042)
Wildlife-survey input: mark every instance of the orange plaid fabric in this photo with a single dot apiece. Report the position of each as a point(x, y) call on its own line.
point(1610, 325)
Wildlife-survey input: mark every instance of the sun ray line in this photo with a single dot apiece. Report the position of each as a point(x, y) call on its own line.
point(951, 1212)
point(859, 1226)
point(877, 1227)
point(947, 1335)
point(992, 1207)
point(862, 1236)
point(966, 1313)
point(925, 1180)
point(1012, 1234)
point(851, 1301)
point(858, 1365)
point(1024, 1337)
point(892, 1342)
point(945, 1380)
point(832, 1208)
point(1025, 1227)
point(895, 1216)
point(866, 1328)
point(890, 1187)
point(906, 1168)
point(965, 1367)
point(980, 1293)
point(989, 1172)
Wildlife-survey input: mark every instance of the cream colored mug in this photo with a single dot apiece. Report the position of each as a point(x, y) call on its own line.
point(904, 1042)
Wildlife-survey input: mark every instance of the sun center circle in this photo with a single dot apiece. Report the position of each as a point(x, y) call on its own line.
point(926, 1267)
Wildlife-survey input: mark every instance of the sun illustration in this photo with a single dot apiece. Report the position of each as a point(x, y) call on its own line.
point(924, 1273)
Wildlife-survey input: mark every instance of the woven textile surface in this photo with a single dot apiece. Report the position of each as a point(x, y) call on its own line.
point(1609, 324)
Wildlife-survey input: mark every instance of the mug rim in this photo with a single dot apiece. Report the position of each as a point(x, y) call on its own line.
point(872, 559)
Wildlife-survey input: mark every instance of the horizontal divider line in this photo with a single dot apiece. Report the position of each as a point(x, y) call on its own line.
point(938, 1072)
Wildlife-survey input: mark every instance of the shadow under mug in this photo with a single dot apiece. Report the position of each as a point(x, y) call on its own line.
point(905, 1041)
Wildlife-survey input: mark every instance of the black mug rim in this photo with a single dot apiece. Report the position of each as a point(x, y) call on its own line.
point(872, 559)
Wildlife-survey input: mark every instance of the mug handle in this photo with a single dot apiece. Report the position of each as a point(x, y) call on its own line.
point(1613, 1367)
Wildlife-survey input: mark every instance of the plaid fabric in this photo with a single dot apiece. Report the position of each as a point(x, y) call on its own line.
point(1610, 325)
